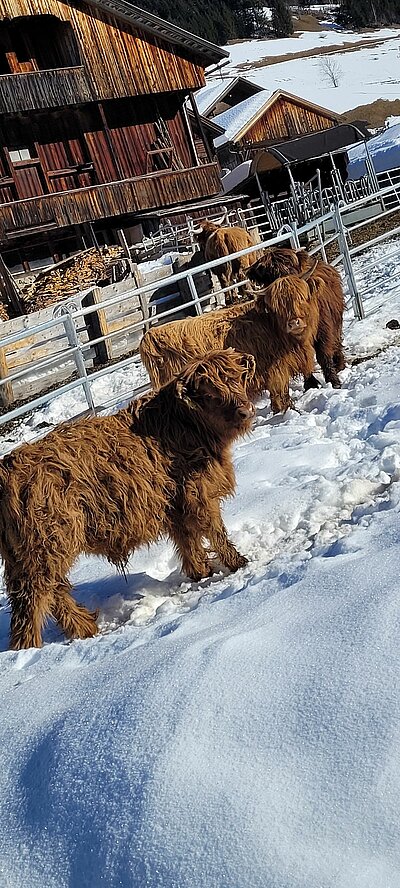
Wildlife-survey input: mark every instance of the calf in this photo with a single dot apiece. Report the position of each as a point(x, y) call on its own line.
point(105, 486)
point(278, 328)
point(217, 241)
point(282, 261)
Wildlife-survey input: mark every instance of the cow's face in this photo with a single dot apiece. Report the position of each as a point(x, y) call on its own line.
point(276, 262)
point(217, 386)
point(288, 300)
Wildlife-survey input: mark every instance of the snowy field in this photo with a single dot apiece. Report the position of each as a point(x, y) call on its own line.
point(241, 732)
point(367, 72)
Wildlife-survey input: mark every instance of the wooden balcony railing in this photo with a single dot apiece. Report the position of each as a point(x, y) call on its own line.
point(54, 88)
point(65, 208)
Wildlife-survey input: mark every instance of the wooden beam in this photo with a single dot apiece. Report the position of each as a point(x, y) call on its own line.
point(111, 148)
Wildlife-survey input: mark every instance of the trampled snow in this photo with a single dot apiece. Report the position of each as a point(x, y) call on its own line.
point(240, 732)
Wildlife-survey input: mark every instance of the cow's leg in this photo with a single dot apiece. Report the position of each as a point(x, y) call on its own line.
point(187, 540)
point(339, 360)
point(225, 276)
point(31, 604)
point(327, 365)
point(74, 619)
point(311, 382)
point(218, 537)
point(278, 386)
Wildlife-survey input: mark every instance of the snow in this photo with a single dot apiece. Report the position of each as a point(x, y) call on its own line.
point(368, 72)
point(243, 731)
point(208, 95)
point(234, 119)
point(384, 150)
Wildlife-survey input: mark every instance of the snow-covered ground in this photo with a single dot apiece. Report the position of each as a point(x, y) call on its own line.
point(367, 72)
point(241, 732)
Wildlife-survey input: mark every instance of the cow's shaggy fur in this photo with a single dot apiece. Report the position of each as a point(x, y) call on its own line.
point(278, 328)
point(217, 241)
point(105, 486)
point(277, 262)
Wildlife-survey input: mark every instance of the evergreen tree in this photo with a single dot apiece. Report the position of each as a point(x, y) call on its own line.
point(215, 20)
point(281, 21)
point(368, 13)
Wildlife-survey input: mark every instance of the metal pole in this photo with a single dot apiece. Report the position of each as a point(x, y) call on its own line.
point(73, 340)
point(194, 294)
point(294, 238)
point(358, 307)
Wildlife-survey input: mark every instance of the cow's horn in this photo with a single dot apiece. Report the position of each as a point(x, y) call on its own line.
point(219, 221)
point(197, 229)
point(310, 271)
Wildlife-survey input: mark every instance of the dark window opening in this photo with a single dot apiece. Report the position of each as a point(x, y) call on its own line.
point(37, 43)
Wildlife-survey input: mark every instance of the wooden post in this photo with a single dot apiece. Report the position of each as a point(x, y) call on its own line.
point(6, 390)
point(9, 289)
point(96, 325)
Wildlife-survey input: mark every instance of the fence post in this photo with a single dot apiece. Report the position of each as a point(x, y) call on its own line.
point(358, 307)
point(73, 340)
point(194, 294)
point(294, 238)
point(96, 325)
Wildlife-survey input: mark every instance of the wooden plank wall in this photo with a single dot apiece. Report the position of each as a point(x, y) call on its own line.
point(26, 353)
point(120, 59)
point(286, 119)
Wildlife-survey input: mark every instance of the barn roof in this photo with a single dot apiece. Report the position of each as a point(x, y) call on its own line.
point(237, 120)
point(214, 92)
point(207, 53)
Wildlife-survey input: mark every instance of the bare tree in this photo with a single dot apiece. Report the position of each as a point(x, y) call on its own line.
point(331, 70)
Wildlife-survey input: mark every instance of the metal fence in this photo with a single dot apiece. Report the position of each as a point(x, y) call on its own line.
point(334, 227)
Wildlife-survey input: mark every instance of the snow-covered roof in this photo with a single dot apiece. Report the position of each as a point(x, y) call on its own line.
point(233, 120)
point(209, 94)
point(383, 149)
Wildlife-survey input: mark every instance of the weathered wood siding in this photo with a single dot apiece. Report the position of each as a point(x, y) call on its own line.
point(118, 60)
point(285, 120)
point(104, 201)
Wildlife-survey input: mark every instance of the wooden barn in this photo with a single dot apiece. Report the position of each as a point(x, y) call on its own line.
point(94, 123)
point(266, 119)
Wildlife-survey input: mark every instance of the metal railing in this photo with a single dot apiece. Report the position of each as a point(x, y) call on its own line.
point(69, 316)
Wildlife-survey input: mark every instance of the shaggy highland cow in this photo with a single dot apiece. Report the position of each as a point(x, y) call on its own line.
point(278, 328)
point(278, 262)
point(105, 486)
point(217, 241)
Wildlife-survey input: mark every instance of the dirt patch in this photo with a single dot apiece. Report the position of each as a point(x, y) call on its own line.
point(374, 114)
point(307, 22)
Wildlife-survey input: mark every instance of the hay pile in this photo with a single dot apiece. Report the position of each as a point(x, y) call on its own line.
point(71, 276)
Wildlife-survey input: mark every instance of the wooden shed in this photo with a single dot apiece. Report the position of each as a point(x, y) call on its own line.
point(266, 119)
point(94, 125)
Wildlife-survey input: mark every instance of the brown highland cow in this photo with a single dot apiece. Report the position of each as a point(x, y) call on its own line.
point(278, 328)
point(105, 486)
point(217, 241)
point(278, 262)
